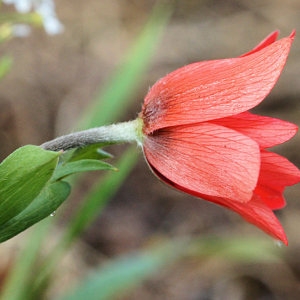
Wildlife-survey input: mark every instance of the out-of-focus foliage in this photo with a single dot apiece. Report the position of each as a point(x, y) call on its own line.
point(114, 99)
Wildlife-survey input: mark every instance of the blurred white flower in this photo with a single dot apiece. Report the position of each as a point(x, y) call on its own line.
point(22, 6)
point(45, 8)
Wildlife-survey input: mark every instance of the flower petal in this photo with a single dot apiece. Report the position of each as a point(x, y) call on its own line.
point(207, 159)
point(254, 211)
point(273, 198)
point(257, 213)
point(270, 39)
point(276, 170)
point(276, 173)
point(266, 131)
point(214, 89)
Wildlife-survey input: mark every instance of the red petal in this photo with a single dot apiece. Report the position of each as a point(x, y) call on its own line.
point(207, 159)
point(271, 38)
point(267, 131)
point(273, 198)
point(214, 89)
point(276, 173)
point(276, 170)
point(258, 214)
point(253, 211)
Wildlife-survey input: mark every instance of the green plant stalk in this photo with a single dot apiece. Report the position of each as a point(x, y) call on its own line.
point(116, 133)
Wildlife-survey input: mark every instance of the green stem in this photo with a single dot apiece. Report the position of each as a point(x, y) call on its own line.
point(116, 133)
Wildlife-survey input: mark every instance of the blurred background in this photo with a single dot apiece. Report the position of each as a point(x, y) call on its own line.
point(54, 78)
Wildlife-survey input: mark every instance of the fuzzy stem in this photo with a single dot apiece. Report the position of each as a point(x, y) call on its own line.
point(115, 133)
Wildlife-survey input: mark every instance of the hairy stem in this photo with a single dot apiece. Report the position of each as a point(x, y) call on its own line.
point(115, 133)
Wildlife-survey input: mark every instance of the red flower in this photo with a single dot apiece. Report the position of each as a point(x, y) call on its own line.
point(200, 139)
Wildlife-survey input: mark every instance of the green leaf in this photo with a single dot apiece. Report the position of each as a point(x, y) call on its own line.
point(90, 152)
point(51, 197)
point(124, 273)
point(23, 175)
point(99, 196)
point(83, 165)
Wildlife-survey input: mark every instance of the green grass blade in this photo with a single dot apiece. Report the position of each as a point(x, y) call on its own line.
point(18, 282)
point(5, 65)
point(236, 249)
point(112, 103)
point(124, 273)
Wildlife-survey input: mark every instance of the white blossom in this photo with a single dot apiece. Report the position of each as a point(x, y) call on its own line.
point(45, 8)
